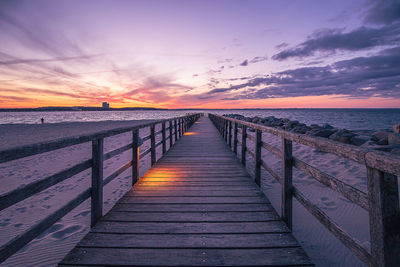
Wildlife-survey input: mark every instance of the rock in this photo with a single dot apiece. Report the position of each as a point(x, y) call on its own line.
point(358, 140)
point(379, 135)
point(327, 126)
point(343, 136)
point(396, 128)
point(382, 142)
point(394, 139)
point(314, 126)
point(321, 132)
point(300, 129)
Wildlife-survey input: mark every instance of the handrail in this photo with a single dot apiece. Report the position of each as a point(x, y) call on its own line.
point(381, 201)
point(95, 192)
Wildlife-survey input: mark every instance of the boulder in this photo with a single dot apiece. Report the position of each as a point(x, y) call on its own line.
point(327, 126)
point(358, 140)
point(321, 132)
point(382, 142)
point(394, 139)
point(379, 135)
point(343, 136)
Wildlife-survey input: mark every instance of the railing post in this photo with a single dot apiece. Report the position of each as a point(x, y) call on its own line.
point(179, 128)
point(97, 181)
point(384, 217)
point(244, 137)
point(153, 144)
point(257, 150)
point(235, 138)
point(164, 141)
point(230, 134)
point(176, 131)
point(183, 126)
point(226, 131)
point(135, 156)
point(287, 168)
point(170, 134)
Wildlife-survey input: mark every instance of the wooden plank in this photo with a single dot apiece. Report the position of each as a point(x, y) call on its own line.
point(190, 228)
point(255, 216)
point(188, 257)
point(117, 151)
point(192, 193)
point(194, 200)
point(242, 207)
point(258, 240)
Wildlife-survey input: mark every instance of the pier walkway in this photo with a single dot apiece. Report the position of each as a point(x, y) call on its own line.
point(197, 206)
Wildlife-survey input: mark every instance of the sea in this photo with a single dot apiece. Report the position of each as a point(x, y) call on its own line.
point(352, 119)
point(323, 248)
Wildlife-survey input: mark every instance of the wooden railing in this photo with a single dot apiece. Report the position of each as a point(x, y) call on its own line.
point(381, 201)
point(177, 127)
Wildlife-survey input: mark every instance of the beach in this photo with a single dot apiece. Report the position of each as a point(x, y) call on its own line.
point(53, 244)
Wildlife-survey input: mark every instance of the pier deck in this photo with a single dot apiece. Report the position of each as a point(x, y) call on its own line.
point(197, 206)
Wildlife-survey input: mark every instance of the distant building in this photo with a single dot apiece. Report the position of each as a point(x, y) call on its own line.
point(106, 105)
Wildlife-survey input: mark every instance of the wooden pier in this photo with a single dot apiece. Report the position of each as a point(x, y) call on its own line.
point(197, 206)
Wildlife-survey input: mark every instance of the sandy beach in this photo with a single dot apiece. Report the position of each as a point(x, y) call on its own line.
point(52, 245)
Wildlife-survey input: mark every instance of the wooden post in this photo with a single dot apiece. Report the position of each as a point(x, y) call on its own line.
point(226, 131)
point(183, 126)
point(179, 128)
point(97, 181)
point(164, 141)
point(176, 131)
point(287, 168)
point(153, 144)
point(230, 134)
point(384, 217)
point(257, 170)
point(235, 138)
point(135, 156)
point(244, 137)
point(170, 134)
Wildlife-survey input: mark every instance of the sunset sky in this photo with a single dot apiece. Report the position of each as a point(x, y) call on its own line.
point(200, 54)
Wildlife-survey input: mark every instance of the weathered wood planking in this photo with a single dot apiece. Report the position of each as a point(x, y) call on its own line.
point(197, 206)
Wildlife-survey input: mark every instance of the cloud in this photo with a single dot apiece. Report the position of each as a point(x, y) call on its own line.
point(31, 61)
point(331, 40)
point(360, 77)
point(383, 12)
point(244, 63)
point(258, 59)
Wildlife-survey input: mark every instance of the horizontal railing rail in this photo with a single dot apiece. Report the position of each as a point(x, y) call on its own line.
point(381, 201)
point(177, 126)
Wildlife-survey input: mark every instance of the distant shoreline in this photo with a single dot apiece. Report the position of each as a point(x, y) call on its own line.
point(75, 109)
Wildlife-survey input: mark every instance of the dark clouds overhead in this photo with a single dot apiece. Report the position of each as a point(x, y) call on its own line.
point(331, 40)
point(383, 17)
point(360, 77)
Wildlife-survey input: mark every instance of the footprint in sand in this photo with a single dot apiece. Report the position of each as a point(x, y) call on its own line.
point(66, 232)
point(327, 203)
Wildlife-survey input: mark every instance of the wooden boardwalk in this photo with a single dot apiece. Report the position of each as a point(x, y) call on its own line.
point(197, 206)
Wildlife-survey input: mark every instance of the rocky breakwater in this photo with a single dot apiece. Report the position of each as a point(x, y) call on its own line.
point(380, 140)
